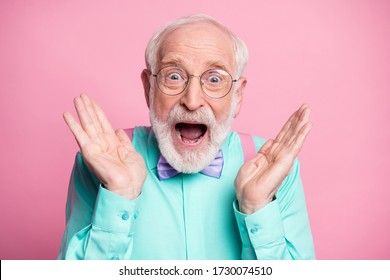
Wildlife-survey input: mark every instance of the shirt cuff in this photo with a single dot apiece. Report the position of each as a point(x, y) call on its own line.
point(114, 213)
point(262, 227)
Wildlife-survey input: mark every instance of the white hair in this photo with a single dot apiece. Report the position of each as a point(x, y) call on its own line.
point(152, 49)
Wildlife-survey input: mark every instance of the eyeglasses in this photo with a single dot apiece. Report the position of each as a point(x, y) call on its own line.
point(215, 83)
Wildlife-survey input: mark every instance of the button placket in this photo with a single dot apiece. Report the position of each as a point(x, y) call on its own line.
point(125, 216)
point(254, 230)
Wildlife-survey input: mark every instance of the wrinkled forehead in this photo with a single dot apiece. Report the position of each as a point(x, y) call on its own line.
point(200, 44)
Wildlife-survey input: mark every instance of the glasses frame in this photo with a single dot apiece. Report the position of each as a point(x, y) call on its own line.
point(200, 81)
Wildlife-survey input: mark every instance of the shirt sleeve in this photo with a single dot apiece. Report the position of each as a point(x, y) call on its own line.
point(281, 229)
point(99, 223)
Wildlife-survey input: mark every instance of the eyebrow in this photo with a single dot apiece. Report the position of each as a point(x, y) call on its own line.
point(175, 60)
point(171, 60)
point(220, 64)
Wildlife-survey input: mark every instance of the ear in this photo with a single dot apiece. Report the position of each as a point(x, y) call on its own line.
point(240, 93)
point(146, 83)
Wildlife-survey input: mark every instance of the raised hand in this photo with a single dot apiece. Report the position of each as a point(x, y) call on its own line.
point(259, 179)
point(108, 153)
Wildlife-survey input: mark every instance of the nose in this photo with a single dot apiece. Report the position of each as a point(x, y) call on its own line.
point(193, 97)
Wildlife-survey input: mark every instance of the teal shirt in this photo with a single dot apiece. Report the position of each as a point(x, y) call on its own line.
point(189, 216)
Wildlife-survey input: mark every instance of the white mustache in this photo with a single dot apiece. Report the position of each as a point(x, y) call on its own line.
point(180, 114)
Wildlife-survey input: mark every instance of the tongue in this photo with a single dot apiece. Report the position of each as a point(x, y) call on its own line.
point(191, 131)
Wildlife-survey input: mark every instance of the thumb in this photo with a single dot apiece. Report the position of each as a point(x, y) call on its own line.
point(123, 153)
point(264, 149)
point(124, 138)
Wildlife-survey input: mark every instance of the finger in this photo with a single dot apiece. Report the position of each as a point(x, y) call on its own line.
point(300, 139)
point(103, 120)
point(303, 120)
point(285, 127)
point(262, 153)
point(267, 145)
point(261, 165)
point(85, 119)
point(299, 118)
point(124, 138)
point(290, 122)
point(90, 108)
point(294, 119)
point(78, 132)
point(275, 149)
point(254, 167)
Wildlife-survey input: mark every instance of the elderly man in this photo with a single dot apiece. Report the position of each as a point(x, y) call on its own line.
point(181, 189)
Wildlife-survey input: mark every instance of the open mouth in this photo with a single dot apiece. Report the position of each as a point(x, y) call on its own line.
point(190, 133)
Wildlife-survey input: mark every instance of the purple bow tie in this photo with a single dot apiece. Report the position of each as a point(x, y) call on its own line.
point(166, 171)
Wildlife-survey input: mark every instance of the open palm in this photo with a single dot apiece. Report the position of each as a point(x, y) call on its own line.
point(108, 153)
point(259, 179)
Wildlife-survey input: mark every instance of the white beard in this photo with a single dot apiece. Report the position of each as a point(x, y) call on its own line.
point(184, 160)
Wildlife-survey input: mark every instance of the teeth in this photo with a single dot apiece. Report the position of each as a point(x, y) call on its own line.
point(188, 141)
point(178, 132)
point(191, 141)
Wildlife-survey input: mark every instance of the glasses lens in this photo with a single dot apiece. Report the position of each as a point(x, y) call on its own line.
point(216, 83)
point(171, 80)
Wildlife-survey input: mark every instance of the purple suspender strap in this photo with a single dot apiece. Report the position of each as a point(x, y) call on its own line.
point(247, 143)
point(129, 132)
point(248, 146)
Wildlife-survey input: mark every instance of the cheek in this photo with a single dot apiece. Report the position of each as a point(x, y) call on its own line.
point(162, 107)
point(221, 109)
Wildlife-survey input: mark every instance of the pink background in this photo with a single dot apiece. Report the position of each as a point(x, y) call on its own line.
point(333, 55)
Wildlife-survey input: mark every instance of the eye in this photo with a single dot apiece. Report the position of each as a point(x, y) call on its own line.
point(174, 76)
point(214, 79)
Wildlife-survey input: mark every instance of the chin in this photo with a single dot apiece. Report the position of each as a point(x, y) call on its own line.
point(190, 140)
point(189, 155)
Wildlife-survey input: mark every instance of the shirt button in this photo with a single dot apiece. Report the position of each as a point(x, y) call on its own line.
point(125, 216)
point(135, 215)
point(254, 230)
